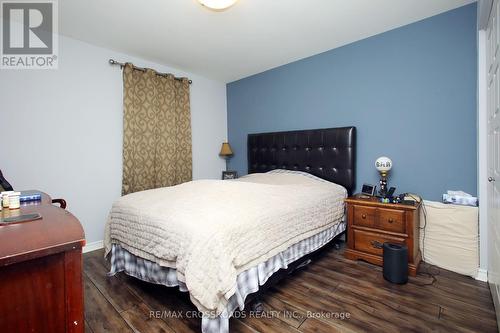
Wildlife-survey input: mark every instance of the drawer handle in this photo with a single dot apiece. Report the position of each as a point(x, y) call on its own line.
point(376, 244)
point(363, 216)
point(390, 220)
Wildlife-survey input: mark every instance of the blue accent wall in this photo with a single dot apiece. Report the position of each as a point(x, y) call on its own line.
point(411, 93)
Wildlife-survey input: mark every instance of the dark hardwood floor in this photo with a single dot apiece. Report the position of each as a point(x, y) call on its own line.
point(310, 300)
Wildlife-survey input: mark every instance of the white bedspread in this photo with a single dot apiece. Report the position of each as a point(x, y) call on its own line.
point(211, 230)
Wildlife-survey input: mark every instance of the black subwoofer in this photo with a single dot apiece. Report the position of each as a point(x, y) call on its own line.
point(395, 263)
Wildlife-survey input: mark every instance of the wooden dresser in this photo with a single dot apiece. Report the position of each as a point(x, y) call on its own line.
point(41, 286)
point(371, 223)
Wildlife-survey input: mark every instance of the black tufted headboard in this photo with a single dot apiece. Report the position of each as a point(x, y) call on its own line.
point(328, 153)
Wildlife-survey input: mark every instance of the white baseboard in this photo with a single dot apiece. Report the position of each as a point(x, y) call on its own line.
point(482, 275)
point(93, 246)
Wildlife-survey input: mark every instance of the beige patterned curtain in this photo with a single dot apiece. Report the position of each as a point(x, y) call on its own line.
point(156, 130)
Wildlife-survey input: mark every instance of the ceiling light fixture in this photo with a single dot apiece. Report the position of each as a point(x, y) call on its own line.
point(217, 4)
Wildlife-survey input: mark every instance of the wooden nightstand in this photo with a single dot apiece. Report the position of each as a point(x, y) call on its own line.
point(371, 223)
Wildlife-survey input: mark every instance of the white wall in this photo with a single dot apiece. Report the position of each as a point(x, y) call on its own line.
point(61, 130)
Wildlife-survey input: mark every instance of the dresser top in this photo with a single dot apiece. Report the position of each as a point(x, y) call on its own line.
point(57, 231)
point(375, 202)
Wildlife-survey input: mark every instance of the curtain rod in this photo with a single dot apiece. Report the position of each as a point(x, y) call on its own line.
point(121, 64)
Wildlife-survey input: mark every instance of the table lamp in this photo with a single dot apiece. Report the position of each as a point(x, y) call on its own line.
point(383, 165)
point(226, 152)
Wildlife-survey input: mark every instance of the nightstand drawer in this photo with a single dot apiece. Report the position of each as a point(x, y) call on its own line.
point(364, 216)
point(391, 220)
point(370, 242)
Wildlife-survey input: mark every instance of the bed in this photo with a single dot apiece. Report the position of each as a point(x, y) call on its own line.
point(221, 241)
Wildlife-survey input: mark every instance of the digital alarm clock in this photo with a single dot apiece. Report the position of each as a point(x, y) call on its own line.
point(368, 189)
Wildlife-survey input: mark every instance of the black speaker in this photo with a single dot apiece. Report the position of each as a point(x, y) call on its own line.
point(395, 263)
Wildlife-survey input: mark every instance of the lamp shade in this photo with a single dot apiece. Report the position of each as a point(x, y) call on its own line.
point(383, 164)
point(226, 150)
